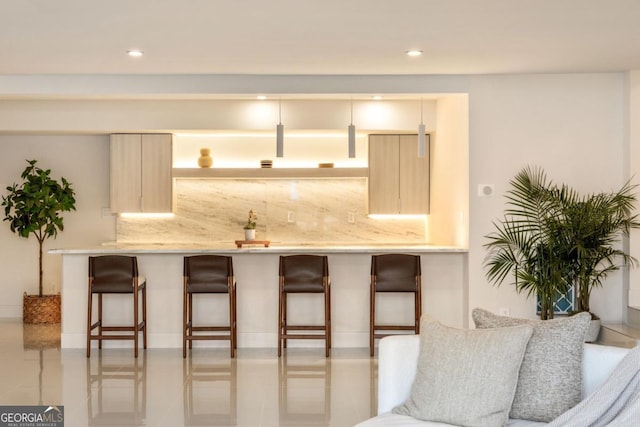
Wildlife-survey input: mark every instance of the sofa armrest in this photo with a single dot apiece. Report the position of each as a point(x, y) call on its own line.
point(397, 365)
point(598, 362)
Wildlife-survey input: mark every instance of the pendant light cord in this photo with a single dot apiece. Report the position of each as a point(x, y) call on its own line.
point(352, 110)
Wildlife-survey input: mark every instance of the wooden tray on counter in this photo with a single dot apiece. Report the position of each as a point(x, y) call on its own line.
point(265, 243)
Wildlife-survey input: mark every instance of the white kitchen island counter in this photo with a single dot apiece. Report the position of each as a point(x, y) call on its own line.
point(256, 272)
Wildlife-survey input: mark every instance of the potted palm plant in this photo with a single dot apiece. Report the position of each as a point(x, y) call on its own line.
point(33, 208)
point(526, 245)
point(594, 226)
point(553, 238)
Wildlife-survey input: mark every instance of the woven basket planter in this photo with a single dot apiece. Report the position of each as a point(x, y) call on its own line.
point(41, 309)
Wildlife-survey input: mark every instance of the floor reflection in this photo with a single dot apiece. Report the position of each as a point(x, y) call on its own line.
point(305, 391)
point(162, 389)
point(41, 338)
point(210, 392)
point(117, 391)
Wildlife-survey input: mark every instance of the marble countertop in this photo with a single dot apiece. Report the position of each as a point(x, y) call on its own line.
point(274, 248)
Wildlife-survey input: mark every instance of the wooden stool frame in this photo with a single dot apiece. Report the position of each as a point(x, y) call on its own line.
point(415, 288)
point(284, 329)
point(188, 335)
point(137, 287)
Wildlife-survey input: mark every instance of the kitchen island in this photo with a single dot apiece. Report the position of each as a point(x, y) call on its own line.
point(256, 271)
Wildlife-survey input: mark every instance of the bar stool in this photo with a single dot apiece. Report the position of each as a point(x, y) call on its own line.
point(116, 274)
point(394, 273)
point(208, 274)
point(304, 274)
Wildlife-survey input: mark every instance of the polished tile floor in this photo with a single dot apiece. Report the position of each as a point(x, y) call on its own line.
point(162, 389)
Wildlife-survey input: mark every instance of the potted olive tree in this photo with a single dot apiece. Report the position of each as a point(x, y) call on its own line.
point(33, 208)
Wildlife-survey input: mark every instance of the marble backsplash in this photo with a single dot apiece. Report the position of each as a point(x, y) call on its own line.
point(289, 211)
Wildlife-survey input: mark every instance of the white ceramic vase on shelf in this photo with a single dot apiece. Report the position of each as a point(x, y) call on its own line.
point(250, 234)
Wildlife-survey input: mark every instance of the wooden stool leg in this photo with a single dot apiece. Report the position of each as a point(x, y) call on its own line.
point(284, 320)
point(280, 320)
point(190, 314)
point(372, 321)
point(232, 340)
point(89, 303)
point(184, 321)
point(144, 316)
point(327, 322)
point(418, 305)
point(235, 320)
point(100, 321)
point(135, 321)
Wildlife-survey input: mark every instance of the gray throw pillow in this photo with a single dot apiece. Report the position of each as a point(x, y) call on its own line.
point(466, 377)
point(550, 381)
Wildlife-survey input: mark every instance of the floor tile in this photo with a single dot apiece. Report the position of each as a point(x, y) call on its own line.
point(160, 388)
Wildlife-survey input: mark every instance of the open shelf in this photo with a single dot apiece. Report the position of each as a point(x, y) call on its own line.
point(239, 173)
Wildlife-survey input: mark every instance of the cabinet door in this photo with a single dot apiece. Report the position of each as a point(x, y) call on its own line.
point(414, 177)
point(384, 180)
point(126, 179)
point(141, 173)
point(157, 183)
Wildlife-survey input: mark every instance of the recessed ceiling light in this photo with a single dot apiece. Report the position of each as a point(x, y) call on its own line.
point(376, 97)
point(135, 53)
point(261, 97)
point(414, 52)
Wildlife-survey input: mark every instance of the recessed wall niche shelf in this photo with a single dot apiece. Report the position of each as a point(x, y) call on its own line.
point(275, 173)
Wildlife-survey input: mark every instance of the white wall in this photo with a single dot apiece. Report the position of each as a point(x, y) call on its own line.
point(572, 125)
point(83, 161)
point(167, 115)
point(633, 167)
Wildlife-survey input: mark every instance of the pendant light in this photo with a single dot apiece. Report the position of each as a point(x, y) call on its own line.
point(421, 133)
point(279, 132)
point(352, 135)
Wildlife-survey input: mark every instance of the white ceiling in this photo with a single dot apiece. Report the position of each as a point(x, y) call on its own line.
point(318, 36)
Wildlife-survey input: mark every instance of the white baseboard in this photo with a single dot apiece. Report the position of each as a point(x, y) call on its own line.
point(11, 311)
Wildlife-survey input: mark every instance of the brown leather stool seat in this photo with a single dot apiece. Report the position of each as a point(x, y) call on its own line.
point(208, 274)
point(116, 274)
point(303, 274)
point(394, 273)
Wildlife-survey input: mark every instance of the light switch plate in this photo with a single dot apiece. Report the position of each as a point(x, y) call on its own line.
point(291, 217)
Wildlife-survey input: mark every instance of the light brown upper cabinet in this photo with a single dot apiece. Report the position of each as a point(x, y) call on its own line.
point(398, 178)
point(141, 173)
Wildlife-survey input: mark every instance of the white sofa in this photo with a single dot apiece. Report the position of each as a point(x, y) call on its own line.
point(397, 364)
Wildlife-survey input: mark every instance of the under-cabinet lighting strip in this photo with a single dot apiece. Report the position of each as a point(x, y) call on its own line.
point(147, 215)
point(265, 135)
point(398, 216)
